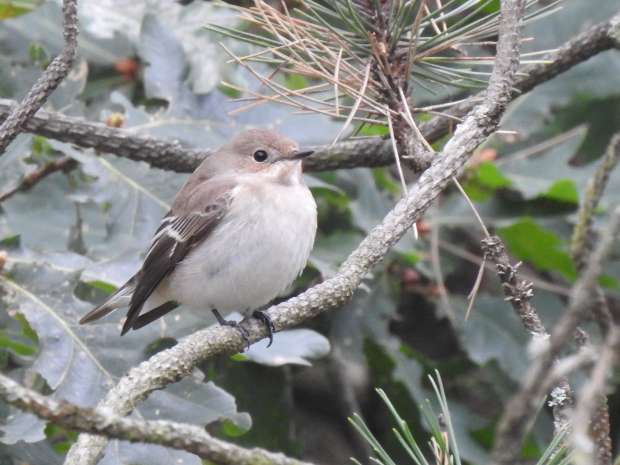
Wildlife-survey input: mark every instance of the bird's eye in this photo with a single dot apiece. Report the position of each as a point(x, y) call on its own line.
point(260, 156)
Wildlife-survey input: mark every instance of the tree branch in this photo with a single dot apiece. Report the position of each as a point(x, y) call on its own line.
point(159, 153)
point(519, 293)
point(370, 152)
point(190, 438)
point(520, 412)
point(582, 232)
point(173, 364)
point(53, 75)
point(591, 440)
point(580, 248)
point(32, 178)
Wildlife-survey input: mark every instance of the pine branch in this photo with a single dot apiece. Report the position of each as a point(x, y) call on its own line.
point(369, 152)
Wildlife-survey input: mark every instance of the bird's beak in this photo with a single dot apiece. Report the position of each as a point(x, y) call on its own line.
point(301, 154)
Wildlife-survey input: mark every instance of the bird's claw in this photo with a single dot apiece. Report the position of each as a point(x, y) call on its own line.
point(234, 324)
point(267, 321)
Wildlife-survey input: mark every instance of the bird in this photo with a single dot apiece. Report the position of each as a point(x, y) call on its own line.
point(239, 232)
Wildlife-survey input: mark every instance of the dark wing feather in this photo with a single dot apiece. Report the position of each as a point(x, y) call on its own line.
point(176, 236)
point(152, 315)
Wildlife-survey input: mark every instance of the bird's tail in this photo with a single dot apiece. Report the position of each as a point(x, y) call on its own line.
point(120, 298)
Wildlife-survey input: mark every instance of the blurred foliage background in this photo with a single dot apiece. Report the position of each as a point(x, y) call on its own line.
point(152, 67)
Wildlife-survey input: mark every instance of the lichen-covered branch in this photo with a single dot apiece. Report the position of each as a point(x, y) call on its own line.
point(519, 293)
point(580, 248)
point(173, 364)
point(51, 78)
point(582, 233)
point(190, 438)
point(520, 412)
point(159, 153)
point(369, 152)
point(591, 441)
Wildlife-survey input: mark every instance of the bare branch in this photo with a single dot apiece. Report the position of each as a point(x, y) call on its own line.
point(581, 245)
point(369, 152)
point(190, 438)
point(32, 178)
point(591, 443)
point(519, 293)
point(173, 364)
point(593, 193)
point(159, 153)
point(520, 411)
point(53, 75)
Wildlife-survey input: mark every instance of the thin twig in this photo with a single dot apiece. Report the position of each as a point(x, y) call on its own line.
point(355, 106)
point(444, 296)
point(592, 444)
point(336, 77)
point(476, 287)
point(474, 259)
point(51, 78)
point(519, 293)
point(521, 410)
point(596, 186)
point(399, 167)
point(472, 207)
point(581, 244)
point(34, 177)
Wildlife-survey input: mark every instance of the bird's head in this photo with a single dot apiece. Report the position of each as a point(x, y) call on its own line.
point(259, 151)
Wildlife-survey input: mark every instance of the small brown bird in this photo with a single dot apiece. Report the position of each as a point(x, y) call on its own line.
point(238, 234)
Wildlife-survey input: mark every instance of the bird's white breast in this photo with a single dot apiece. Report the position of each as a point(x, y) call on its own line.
point(253, 255)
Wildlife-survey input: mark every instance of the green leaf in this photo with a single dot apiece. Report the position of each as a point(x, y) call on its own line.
point(295, 81)
point(232, 429)
point(608, 282)
point(60, 438)
point(373, 130)
point(492, 7)
point(484, 180)
point(490, 176)
point(26, 329)
point(102, 286)
point(13, 8)
point(16, 346)
point(538, 246)
point(386, 181)
point(563, 190)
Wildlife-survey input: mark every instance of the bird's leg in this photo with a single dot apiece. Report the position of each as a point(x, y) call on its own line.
point(262, 316)
point(233, 324)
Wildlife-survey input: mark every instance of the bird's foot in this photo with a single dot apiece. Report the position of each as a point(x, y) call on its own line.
point(233, 324)
point(266, 320)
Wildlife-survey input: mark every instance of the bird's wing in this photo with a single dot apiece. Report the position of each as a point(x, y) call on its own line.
point(179, 232)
